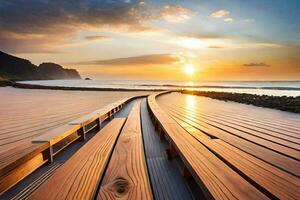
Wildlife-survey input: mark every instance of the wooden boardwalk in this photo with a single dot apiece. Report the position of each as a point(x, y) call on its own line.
point(165, 174)
point(196, 147)
point(261, 145)
point(86, 166)
point(40, 145)
point(126, 176)
point(26, 114)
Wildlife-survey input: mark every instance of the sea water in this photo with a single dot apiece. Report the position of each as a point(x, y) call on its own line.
point(275, 88)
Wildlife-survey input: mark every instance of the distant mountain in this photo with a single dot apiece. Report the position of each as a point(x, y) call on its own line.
point(14, 68)
point(55, 71)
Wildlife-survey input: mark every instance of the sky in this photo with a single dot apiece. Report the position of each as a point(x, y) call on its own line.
point(195, 40)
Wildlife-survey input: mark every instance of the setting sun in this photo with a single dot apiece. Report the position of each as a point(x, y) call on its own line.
point(117, 82)
point(189, 69)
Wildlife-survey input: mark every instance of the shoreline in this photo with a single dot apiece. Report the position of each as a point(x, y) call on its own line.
point(5, 83)
point(283, 103)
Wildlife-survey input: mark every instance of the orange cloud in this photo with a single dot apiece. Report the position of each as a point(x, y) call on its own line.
point(220, 13)
point(176, 14)
point(257, 64)
point(56, 22)
point(97, 37)
point(155, 59)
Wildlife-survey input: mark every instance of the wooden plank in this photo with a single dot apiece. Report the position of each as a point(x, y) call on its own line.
point(275, 144)
point(216, 179)
point(30, 188)
point(18, 127)
point(266, 117)
point(270, 180)
point(48, 113)
point(281, 132)
point(12, 158)
point(79, 177)
point(165, 176)
point(21, 171)
point(84, 120)
point(126, 175)
point(278, 160)
point(57, 134)
point(283, 162)
point(101, 113)
point(17, 164)
point(277, 132)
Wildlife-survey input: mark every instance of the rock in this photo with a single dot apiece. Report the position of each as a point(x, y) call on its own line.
point(14, 68)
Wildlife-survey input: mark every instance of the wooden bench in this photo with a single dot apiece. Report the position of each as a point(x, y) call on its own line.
point(94, 119)
point(126, 176)
point(80, 176)
point(30, 156)
point(215, 178)
point(57, 135)
point(25, 159)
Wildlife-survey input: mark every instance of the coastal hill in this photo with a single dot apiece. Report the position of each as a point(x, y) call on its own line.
point(16, 69)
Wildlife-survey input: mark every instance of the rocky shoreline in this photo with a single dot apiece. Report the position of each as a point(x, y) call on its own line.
point(5, 83)
point(284, 103)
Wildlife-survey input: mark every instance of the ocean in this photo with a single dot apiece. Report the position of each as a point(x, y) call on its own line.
point(274, 88)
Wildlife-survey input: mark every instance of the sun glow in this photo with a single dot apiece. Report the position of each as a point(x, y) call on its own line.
point(190, 101)
point(189, 69)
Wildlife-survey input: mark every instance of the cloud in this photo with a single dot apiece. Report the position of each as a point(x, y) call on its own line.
point(249, 20)
point(258, 64)
point(203, 35)
point(220, 13)
point(152, 59)
point(176, 14)
point(56, 22)
point(97, 37)
point(229, 19)
point(31, 43)
point(215, 47)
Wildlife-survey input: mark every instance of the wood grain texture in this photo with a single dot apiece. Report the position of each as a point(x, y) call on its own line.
point(250, 135)
point(79, 177)
point(19, 155)
point(287, 137)
point(183, 109)
point(282, 146)
point(165, 175)
point(57, 134)
point(26, 114)
point(273, 182)
point(12, 177)
point(42, 115)
point(217, 180)
point(126, 175)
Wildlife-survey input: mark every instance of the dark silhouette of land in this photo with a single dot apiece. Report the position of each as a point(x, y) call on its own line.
point(19, 69)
